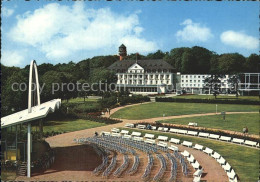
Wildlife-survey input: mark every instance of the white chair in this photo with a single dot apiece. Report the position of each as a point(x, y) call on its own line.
point(251, 143)
point(231, 174)
point(226, 167)
point(208, 151)
point(153, 127)
point(162, 144)
point(182, 131)
point(150, 141)
point(216, 155)
point(225, 138)
point(194, 133)
point(221, 161)
point(213, 136)
point(141, 126)
point(238, 140)
point(165, 129)
point(174, 140)
point(129, 125)
point(124, 132)
point(115, 130)
point(164, 138)
point(191, 158)
point(173, 130)
point(193, 124)
point(105, 133)
point(147, 135)
point(125, 136)
point(174, 148)
point(186, 143)
point(139, 139)
point(195, 165)
point(116, 134)
point(138, 134)
point(185, 153)
point(160, 129)
point(198, 147)
point(197, 175)
point(201, 134)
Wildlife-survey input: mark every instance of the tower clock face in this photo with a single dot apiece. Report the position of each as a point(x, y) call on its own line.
point(121, 49)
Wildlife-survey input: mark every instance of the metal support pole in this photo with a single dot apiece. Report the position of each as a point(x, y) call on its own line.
point(16, 142)
point(29, 150)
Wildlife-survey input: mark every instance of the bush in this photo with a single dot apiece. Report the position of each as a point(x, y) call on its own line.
point(208, 101)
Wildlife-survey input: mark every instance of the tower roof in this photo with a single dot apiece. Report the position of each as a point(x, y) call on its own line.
point(123, 46)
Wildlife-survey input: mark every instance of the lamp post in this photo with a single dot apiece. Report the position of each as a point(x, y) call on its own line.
point(216, 108)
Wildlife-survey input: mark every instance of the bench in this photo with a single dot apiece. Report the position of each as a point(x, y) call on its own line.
point(138, 134)
point(225, 138)
point(185, 153)
point(186, 143)
point(208, 151)
point(173, 130)
point(115, 130)
point(191, 158)
point(231, 175)
point(174, 148)
point(125, 136)
point(182, 131)
point(139, 139)
point(124, 132)
point(193, 124)
point(162, 144)
point(160, 129)
point(216, 155)
point(195, 165)
point(226, 167)
point(221, 161)
point(238, 140)
point(129, 125)
point(153, 127)
point(251, 143)
point(214, 136)
point(149, 141)
point(165, 129)
point(164, 138)
point(174, 140)
point(201, 134)
point(194, 133)
point(105, 133)
point(140, 126)
point(198, 147)
point(147, 135)
point(115, 134)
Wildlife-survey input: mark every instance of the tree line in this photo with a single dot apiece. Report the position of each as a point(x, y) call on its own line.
point(195, 60)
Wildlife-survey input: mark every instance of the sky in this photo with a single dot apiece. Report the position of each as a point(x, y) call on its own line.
point(62, 31)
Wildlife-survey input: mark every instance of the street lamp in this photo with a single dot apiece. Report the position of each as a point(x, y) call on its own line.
point(216, 108)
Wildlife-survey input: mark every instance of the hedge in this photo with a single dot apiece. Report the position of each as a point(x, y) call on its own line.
point(208, 101)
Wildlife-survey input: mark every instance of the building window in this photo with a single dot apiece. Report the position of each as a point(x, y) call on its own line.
point(194, 80)
point(186, 80)
point(186, 85)
point(198, 80)
point(182, 85)
point(198, 85)
point(194, 85)
point(198, 76)
point(182, 80)
point(191, 81)
point(186, 76)
point(191, 85)
point(194, 76)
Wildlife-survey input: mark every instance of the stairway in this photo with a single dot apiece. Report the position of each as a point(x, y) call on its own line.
point(21, 171)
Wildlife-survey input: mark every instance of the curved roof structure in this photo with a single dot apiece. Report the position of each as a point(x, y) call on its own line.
point(37, 112)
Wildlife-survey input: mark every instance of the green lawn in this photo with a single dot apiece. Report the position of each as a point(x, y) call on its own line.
point(233, 122)
point(70, 125)
point(244, 160)
point(81, 100)
point(255, 98)
point(157, 109)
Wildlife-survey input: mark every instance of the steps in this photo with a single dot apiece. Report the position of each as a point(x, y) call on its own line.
point(21, 171)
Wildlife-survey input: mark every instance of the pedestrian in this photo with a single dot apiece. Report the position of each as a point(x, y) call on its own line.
point(96, 133)
point(109, 111)
point(244, 130)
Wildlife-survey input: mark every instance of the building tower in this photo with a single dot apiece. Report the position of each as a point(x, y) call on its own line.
point(122, 52)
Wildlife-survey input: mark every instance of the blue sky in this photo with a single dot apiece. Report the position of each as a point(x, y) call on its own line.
point(59, 32)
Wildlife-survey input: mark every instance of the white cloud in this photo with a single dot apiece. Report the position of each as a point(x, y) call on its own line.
point(11, 58)
point(61, 31)
point(239, 39)
point(193, 32)
point(6, 12)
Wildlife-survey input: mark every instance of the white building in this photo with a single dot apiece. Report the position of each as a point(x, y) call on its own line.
point(143, 76)
point(194, 83)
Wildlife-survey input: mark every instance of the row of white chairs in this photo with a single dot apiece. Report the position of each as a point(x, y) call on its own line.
point(208, 135)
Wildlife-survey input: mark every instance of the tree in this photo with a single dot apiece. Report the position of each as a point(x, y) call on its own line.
point(201, 56)
point(213, 83)
point(175, 57)
point(214, 67)
point(253, 63)
point(234, 81)
point(157, 55)
point(231, 63)
point(188, 62)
